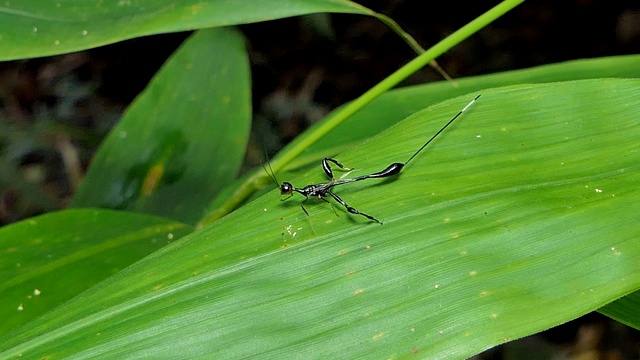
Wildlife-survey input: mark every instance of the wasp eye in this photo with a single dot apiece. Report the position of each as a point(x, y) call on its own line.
point(286, 188)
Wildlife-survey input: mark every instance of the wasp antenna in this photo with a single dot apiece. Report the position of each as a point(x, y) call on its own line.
point(270, 172)
point(271, 176)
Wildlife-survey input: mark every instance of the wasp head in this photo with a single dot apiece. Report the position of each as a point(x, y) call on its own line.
point(286, 188)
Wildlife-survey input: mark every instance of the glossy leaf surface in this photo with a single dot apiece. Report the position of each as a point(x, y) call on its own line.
point(184, 137)
point(41, 27)
point(520, 217)
point(49, 259)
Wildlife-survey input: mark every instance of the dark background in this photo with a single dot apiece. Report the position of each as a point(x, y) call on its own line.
point(57, 109)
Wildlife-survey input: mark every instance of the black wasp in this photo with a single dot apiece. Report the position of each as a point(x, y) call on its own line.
point(322, 190)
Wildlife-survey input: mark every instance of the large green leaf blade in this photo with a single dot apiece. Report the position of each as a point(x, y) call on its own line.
point(625, 310)
point(40, 27)
point(397, 104)
point(520, 217)
point(184, 137)
point(49, 259)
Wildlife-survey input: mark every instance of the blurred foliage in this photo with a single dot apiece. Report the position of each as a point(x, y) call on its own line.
point(177, 148)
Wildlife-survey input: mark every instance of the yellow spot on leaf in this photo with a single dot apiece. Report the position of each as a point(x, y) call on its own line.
point(152, 179)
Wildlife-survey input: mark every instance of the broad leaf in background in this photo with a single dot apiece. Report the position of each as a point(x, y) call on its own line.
point(183, 138)
point(520, 217)
point(626, 310)
point(395, 105)
point(49, 259)
point(41, 27)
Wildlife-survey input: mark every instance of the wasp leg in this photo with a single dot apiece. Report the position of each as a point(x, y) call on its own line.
point(327, 168)
point(302, 205)
point(352, 209)
point(330, 205)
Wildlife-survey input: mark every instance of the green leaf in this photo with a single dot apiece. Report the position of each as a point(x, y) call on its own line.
point(48, 259)
point(397, 104)
point(184, 137)
point(626, 310)
point(40, 28)
point(521, 216)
